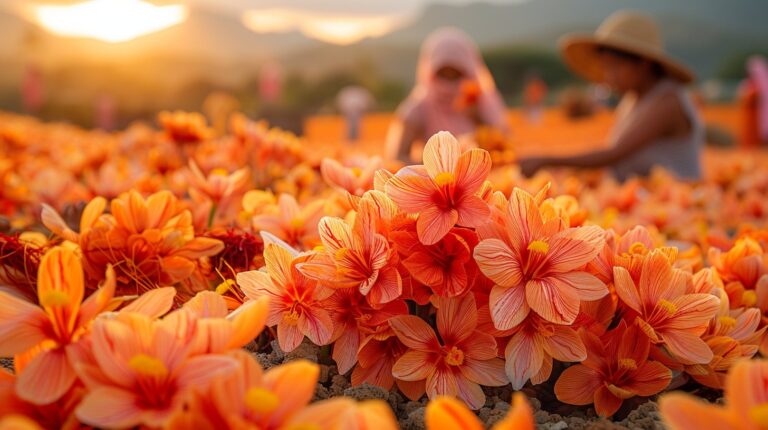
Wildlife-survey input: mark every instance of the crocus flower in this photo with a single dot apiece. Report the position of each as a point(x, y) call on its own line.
point(356, 257)
point(664, 311)
point(538, 264)
point(296, 302)
point(457, 365)
point(617, 368)
point(746, 403)
point(41, 335)
point(355, 180)
point(296, 225)
point(139, 373)
point(443, 190)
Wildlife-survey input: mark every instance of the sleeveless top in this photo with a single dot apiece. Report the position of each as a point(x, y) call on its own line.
point(680, 154)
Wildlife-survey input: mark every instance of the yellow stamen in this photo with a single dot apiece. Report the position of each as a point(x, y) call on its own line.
point(444, 178)
point(297, 223)
point(341, 253)
point(219, 172)
point(147, 365)
point(225, 286)
point(727, 323)
point(668, 306)
point(749, 298)
point(55, 298)
point(539, 246)
point(261, 401)
point(454, 357)
point(627, 364)
point(357, 171)
point(638, 248)
point(319, 248)
point(291, 317)
point(759, 415)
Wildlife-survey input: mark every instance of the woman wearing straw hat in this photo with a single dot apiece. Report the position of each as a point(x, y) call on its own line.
point(656, 121)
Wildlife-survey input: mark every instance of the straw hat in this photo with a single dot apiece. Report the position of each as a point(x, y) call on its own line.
point(627, 31)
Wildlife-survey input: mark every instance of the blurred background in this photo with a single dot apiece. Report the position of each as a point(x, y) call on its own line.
point(286, 61)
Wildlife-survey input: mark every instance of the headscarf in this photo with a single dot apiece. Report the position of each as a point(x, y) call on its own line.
point(758, 73)
point(431, 101)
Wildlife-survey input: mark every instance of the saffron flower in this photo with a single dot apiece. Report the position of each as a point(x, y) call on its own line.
point(139, 374)
point(356, 257)
point(457, 365)
point(443, 191)
point(40, 336)
point(617, 368)
point(661, 307)
point(294, 224)
point(537, 263)
point(296, 303)
point(355, 180)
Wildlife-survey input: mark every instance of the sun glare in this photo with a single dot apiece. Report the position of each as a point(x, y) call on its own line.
point(109, 20)
point(332, 28)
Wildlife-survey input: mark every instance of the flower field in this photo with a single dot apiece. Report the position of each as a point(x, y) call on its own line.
point(169, 278)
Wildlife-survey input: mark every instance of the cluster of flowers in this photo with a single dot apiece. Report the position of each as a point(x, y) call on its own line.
point(437, 279)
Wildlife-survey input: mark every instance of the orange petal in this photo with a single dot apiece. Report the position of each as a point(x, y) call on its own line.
point(498, 262)
point(472, 168)
point(109, 407)
point(524, 354)
point(577, 385)
point(54, 222)
point(199, 247)
point(473, 211)
point(100, 300)
point(565, 345)
point(248, 321)
point(456, 318)
point(411, 189)
point(587, 286)
point(554, 301)
point(688, 347)
point(447, 413)
point(93, 210)
point(413, 331)
point(606, 404)
point(649, 379)
point(46, 378)
point(278, 261)
point(294, 384)
point(681, 411)
point(414, 365)
point(488, 373)
point(154, 303)
point(441, 153)
point(626, 289)
point(519, 417)
point(60, 287)
point(575, 247)
point(508, 307)
point(22, 325)
point(434, 223)
point(693, 311)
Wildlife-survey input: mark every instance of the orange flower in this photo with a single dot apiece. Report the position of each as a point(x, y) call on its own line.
point(219, 185)
point(538, 264)
point(137, 372)
point(746, 403)
point(446, 413)
point(295, 225)
point(357, 257)
point(40, 336)
point(355, 180)
point(343, 413)
point(184, 127)
point(745, 262)
point(664, 311)
point(150, 242)
point(353, 319)
point(376, 357)
point(447, 267)
point(456, 365)
point(443, 190)
point(616, 368)
point(296, 304)
point(533, 345)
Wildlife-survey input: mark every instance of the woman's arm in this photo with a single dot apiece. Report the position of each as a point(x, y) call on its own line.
point(400, 138)
point(659, 119)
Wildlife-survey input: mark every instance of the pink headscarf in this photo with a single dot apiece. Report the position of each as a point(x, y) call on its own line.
point(758, 73)
point(431, 101)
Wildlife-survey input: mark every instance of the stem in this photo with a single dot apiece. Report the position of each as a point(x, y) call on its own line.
point(211, 215)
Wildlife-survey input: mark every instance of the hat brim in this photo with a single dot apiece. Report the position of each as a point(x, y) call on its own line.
point(581, 55)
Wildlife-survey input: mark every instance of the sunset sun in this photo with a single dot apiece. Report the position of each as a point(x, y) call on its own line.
point(109, 20)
